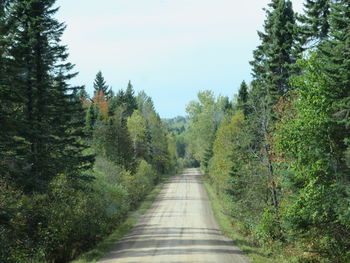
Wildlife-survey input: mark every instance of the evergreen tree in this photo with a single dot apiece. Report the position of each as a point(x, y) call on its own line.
point(52, 113)
point(317, 187)
point(100, 84)
point(243, 98)
point(243, 93)
point(274, 59)
point(316, 24)
point(130, 100)
point(335, 55)
point(11, 100)
point(113, 140)
point(336, 51)
point(90, 120)
point(126, 99)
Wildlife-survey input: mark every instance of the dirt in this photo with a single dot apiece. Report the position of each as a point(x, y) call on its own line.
point(179, 227)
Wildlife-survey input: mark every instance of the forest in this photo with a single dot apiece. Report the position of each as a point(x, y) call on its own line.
point(72, 166)
point(277, 154)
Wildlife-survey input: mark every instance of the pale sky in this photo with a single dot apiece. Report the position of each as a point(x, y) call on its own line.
point(171, 49)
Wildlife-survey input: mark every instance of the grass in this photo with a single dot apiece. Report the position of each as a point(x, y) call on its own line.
point(104, 246)
point(229, 229)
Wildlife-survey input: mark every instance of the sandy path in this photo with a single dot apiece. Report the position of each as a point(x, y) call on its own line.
point(179, 227)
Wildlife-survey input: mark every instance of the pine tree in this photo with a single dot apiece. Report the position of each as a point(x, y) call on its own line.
point(100, 84)
point(52, 113)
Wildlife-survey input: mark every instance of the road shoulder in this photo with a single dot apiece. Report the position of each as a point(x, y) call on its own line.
point(254, 253)
point(107, 244)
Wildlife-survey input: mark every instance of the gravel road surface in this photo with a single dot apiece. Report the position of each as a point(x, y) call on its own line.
point(179, 227)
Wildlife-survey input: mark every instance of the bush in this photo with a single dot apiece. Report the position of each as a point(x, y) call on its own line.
point(140, 183)
point(58, 225)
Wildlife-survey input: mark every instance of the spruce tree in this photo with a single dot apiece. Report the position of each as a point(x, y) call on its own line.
point(126, 99)
point(274, 59)
point(336, 51)
point(243, 93)
point(52, 113)
point(100, 84)
point(243, 98)
point(335, 55)
point(11, 100)
point(130, 100)
point(316, 24)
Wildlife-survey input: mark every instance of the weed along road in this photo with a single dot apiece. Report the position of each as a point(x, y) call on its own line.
point(179, 227)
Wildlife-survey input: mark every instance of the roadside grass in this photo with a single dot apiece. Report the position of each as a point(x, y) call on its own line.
point(231, 230)
point(105, 245)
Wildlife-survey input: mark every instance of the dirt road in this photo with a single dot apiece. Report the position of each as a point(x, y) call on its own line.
point(179, 227)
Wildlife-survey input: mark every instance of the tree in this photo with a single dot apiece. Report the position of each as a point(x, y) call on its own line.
point(52, 115)
point(125, 98)
point(225, 150)
point(205, 116)
point(130, 100)
point(101, 105)
point(90, 119)
point(158, 143)
point(8, 96)
point(137, 127)
point(243, 97)
point(316, 21)
point(274, 59)
point(335, 55)
point(100, 84)
point(315, 195)
point(113, 141)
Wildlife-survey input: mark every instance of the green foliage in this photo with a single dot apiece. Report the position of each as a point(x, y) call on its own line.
point(316, 24)
point(112, 140)
point(137, 127)
point(46, 111)
point(309, 140)
point(282, 167)
point(274, 58)
point(224, 150)
point(204, 119)
point(57, 226)
point(140, 183)
point(48, 213)
point(100, 84)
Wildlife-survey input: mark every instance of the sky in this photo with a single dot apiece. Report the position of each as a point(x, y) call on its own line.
point(171, 49)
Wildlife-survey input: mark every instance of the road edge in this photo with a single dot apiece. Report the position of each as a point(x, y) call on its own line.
point(253, 253)
point(103, 247)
